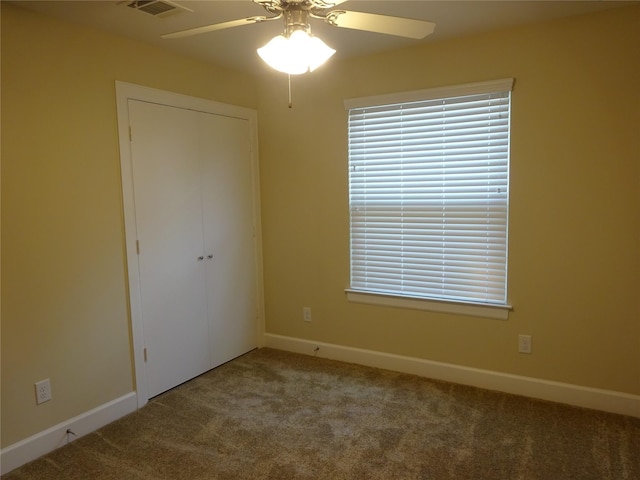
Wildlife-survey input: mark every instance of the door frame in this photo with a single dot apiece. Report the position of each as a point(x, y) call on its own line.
point(124, 93)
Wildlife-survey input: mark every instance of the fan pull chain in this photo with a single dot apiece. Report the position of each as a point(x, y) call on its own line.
point(290, 103)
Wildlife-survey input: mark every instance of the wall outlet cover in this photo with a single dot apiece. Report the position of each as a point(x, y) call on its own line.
point(43, 391)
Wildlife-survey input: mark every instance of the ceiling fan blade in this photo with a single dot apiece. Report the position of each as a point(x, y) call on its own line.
point(372, 22)
point(218, 26)
point(324, 4)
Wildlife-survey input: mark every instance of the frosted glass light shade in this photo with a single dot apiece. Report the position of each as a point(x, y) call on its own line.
point(299, 53)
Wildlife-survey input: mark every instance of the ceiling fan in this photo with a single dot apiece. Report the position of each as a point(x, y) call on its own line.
point(296, 50)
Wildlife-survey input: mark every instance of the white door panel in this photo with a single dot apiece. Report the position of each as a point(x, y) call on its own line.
point(227, 202)
point(169, 222)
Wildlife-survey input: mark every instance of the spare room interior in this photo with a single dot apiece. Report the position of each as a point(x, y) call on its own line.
point(92, 220)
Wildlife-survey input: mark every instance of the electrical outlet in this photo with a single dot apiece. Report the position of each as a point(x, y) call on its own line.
point(43, 391)
point(524, 343)
point(306, 314)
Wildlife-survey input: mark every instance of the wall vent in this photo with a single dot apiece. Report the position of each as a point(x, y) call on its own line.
point(158, 8)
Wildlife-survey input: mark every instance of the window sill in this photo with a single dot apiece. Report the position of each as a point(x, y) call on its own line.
point(497, 312)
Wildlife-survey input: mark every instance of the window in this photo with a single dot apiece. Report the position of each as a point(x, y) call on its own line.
point(429, 196)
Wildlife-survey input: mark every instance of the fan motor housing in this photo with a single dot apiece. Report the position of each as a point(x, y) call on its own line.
point(296, 19)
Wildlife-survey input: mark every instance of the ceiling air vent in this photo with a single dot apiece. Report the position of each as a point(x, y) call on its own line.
point(158, 8)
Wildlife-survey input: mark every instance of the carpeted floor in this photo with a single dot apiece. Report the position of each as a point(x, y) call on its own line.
point(277, 415)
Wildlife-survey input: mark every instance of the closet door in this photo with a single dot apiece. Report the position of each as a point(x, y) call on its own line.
point(166, 163)
point(229, 237)
point(193, 191)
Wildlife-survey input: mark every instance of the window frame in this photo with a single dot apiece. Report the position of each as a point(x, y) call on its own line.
point(433, 304)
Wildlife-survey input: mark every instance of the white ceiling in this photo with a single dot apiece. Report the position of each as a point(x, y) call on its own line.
point(236, 47)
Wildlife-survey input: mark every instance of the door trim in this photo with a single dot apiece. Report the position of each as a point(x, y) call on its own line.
point(124, 93)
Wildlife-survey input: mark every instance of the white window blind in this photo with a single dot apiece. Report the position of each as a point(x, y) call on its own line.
point(428, 194)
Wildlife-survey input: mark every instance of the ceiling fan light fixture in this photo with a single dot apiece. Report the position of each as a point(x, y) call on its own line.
point(298, 53)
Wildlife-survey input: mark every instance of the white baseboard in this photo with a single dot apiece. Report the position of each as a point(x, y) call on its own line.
point(48, 440)
point(587, 397)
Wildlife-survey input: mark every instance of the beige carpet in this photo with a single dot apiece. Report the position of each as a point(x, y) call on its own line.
point(276, 415)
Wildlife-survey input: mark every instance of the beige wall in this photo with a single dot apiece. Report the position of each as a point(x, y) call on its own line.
point(574, 245)
point(575, 205)
point(64, 297)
